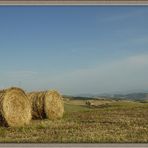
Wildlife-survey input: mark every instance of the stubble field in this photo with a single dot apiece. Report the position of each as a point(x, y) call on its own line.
point(109, 121)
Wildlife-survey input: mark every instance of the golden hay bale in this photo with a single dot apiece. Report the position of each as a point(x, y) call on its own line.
point(37, 102)
point(15, 108)
point(47, 104)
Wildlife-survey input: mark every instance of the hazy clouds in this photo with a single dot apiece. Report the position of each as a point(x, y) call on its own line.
point(122, 75)
point(126, 74)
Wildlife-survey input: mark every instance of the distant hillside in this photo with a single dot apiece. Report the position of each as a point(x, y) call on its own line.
point(131, 96)
point(77, 98)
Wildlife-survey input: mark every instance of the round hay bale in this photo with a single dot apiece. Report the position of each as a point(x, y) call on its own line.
point(47, 104)
point(15, 108)
point(54, 107)
point(37, 102)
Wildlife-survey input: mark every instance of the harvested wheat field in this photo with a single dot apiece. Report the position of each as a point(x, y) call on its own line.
point(46, 104)
point(15, 108)
point(119, 122)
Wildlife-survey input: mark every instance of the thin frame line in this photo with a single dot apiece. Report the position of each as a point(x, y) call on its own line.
point(81, 3)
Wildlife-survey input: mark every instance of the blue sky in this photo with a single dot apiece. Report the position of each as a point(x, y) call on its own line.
point(74, 49)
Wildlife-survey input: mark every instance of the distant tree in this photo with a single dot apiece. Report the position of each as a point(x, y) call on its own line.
point(88, 103)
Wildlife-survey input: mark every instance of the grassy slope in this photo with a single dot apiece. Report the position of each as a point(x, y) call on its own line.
point(120, 121)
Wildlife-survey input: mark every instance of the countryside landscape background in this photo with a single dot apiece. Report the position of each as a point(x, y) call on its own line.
point(97, 59)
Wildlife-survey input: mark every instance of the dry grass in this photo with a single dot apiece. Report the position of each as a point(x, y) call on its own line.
point(15, 109)
point(121, 122)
